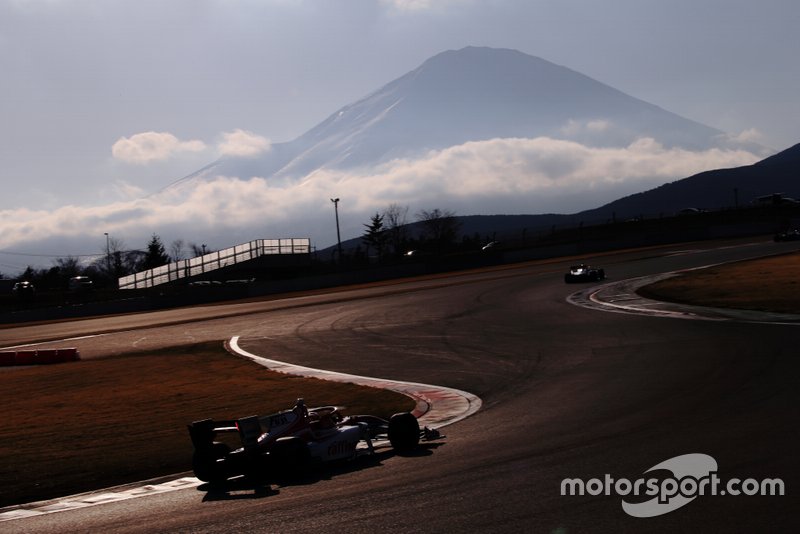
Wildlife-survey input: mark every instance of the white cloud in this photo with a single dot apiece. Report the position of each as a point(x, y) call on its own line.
point(243, 144)
point(541, 165)
point(419, 6)
point(408, 5)
point(751, 135)
point(494, 176)
point(598, 125)
point(146, 147)
point(574, 128)
point(125, 190)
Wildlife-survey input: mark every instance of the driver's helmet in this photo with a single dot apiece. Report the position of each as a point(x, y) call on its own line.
point(300, 408)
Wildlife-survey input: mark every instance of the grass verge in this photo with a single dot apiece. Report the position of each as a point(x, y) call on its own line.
point(91, 424)
point(768, 284)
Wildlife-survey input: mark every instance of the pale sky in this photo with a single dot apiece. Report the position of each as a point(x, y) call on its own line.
point(103, 102)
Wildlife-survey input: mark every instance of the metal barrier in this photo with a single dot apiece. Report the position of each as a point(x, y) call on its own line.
point(213, 261)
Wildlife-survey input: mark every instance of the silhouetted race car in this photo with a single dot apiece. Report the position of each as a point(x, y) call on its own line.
point(584, 273)
point(788, 235)
point(291, 441)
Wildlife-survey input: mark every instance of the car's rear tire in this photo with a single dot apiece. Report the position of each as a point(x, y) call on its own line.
point(205, 463)
point(403, 432)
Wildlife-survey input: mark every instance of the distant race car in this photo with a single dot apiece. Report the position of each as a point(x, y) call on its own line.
point(291, 441)
point(584, 273)
point(788, 235)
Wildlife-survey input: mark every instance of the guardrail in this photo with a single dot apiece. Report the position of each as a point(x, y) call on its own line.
point(213, 261)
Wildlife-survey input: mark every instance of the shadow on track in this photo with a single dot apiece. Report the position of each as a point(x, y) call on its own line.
point(258, 487)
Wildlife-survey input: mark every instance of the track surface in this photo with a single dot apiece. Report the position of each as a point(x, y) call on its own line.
point(568, 392)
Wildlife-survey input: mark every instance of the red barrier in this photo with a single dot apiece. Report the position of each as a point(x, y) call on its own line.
point(39, 357)
point(69, 355)
point(46, 356)
point(25, 357)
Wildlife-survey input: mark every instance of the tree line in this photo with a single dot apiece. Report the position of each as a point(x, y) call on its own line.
point(115, 262)
point(388, 236)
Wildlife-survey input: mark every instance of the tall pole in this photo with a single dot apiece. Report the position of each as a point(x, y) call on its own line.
point(338, 235)
point(108, 254)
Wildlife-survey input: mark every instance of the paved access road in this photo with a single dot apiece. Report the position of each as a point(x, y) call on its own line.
point(568, 392)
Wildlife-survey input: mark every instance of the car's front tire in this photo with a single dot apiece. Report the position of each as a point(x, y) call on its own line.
point(403, 432)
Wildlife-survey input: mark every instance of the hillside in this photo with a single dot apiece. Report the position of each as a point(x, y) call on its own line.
point(711, 190)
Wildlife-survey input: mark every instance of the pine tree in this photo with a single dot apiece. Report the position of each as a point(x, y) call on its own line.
point(375, 235)
point(156, 255)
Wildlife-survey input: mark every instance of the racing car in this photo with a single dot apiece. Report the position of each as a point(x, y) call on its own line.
point(291, 441)
point(788, 235)
point(584, 273)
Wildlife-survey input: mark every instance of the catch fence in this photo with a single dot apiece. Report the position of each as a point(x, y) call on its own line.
point(212, 261)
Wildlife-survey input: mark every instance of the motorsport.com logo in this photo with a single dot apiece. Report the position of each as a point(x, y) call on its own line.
point(693, 475)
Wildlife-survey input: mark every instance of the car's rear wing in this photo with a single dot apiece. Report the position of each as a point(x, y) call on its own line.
point(204, 432)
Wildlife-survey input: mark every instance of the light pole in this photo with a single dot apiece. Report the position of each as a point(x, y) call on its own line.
point(108, 254)
point(338, 235)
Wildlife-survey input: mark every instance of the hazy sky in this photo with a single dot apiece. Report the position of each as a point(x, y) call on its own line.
point(103, 102)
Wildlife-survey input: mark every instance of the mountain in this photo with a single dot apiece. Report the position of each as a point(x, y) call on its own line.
point(471, 94)
point(477, 131)
point(711, 190)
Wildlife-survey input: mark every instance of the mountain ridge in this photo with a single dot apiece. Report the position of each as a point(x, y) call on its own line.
point(471, 94)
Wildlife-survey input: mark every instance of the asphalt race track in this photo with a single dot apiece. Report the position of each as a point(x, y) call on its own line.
point(568, 392)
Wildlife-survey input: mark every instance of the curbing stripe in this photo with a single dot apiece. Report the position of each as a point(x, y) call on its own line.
point(621, 297)
point(437, 406)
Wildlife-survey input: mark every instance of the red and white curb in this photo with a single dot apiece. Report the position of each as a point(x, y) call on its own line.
point(436, 407)
point(622, 297)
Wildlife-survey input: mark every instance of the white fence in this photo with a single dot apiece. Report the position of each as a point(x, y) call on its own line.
point(214, 260)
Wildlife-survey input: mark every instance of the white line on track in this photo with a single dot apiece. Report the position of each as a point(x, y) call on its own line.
point(13, 347)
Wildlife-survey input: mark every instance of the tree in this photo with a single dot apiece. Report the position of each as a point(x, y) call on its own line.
point(375, 235)
point(440, 228)
point(28, 274)
point(176, 250)
point(395, 220)
point(115, 261)
point(156, 255)
point(199, 250)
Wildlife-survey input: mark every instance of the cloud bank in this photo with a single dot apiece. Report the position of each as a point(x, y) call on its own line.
point(144, 148)
point(241, 143)
point(487, 177)
point(148, 147)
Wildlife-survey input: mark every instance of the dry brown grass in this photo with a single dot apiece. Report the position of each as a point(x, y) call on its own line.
point(91, 424)
point(769, 284)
